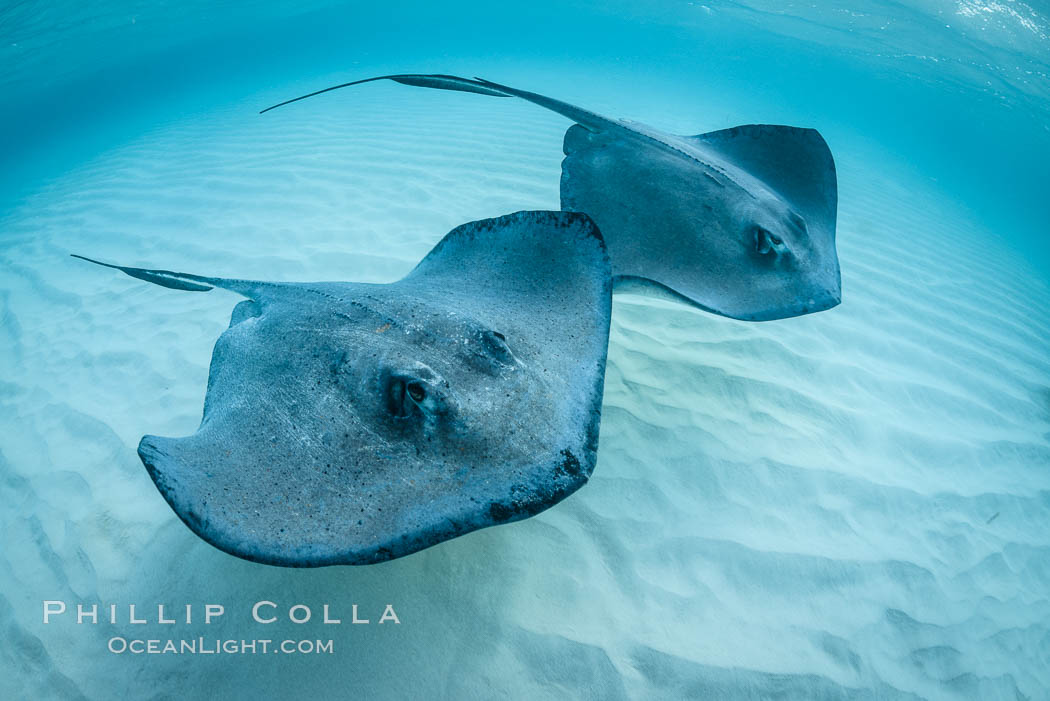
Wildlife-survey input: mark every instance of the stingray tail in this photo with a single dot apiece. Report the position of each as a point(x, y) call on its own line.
point(182, 281)
point(441, 82)
point(594, 122)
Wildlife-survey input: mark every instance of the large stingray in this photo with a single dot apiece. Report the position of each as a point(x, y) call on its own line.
point(739, 222)
point(353, 423)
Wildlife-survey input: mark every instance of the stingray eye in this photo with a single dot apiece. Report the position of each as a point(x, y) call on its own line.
point(417, 396)
point(767, 243)
point(488, 351)
point(416, 392)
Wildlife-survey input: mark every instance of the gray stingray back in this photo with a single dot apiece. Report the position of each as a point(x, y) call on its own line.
point(350, 423)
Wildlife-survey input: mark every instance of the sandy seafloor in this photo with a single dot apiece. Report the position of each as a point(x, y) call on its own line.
point(853, 504)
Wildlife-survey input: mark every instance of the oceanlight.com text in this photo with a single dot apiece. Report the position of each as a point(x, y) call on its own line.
point(213, 646)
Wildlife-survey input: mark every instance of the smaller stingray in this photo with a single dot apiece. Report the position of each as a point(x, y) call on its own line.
point(350, 423)
point(739, 222)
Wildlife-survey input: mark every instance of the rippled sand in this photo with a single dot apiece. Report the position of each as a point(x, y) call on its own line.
point(852, 504)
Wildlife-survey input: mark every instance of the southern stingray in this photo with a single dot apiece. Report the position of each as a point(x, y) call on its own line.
point(739, 222)
point(350, 423)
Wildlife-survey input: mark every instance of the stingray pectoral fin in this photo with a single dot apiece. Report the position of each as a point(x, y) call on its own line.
point(555, 261)
point(541, 282)
point(794, 162)
point(183, 281)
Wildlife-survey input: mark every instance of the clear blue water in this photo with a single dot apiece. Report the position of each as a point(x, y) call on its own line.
point(854, 504)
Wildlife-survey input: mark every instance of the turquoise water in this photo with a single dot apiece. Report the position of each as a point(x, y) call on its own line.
point(854, 504)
